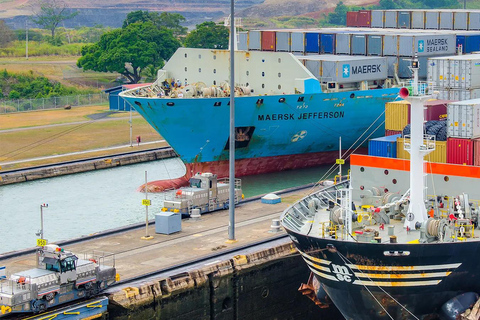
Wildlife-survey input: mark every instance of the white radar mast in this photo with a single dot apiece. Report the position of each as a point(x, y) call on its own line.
point(237, 23)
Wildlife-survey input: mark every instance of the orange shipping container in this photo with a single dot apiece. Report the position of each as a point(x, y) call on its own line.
point(269, 40)
point(439, 155)
point(397, 115)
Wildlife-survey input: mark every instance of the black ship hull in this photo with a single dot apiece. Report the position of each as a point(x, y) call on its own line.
point(391, 281)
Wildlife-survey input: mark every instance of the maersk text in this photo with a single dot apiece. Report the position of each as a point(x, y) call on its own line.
point(302, 116)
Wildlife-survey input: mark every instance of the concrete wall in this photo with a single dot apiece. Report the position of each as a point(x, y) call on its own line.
point(263, 285)
point(78, 167)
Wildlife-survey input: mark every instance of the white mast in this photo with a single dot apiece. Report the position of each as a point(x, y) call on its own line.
point(420, 145)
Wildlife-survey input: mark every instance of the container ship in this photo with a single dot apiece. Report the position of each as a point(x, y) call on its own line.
point(395, 240)
point(286, 117)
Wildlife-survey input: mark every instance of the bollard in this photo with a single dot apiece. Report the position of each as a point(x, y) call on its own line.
point(275, 227)
point(195, 215)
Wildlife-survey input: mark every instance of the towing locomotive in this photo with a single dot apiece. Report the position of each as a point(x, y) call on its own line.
point(60, 277)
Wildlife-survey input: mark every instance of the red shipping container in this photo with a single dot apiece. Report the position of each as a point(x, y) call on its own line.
point(352, 18)
point(363, 18)
point(476, 152)
point(269, 40)
point(460, 151)
point(436, 109)
point(392, 132)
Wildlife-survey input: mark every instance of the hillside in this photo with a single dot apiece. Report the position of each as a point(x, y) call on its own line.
point(112, 13)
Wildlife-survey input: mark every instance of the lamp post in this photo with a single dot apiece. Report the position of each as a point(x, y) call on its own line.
point(43, 205)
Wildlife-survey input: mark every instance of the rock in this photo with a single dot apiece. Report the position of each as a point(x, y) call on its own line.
point(67, 107)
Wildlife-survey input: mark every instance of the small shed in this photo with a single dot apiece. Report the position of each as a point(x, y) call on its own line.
point(115, 101)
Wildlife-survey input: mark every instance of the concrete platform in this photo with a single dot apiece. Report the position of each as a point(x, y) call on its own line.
point(208, 235)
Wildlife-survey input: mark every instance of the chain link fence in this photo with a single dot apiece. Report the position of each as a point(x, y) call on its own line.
point(22, 105)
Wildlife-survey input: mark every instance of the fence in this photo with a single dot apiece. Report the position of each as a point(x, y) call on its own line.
point(21, 105)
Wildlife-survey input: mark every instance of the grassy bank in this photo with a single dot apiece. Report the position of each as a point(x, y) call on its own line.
point(57, 132)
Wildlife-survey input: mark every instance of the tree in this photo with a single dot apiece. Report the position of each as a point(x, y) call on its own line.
point(171, 21)
point(208, 35)
point(339, 15)
point(6, 34)
point(388, 4)
point(129, 50)
point(51, 13)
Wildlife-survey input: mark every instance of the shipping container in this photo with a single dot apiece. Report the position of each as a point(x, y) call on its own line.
point(439, 155)
point(469, 42)
point(342, 43)
point(312, 43)
point(404, 19)
point(474, 21)
point(383, 146)
point(352, 18)
point(432, 19)
point(346, 69)
point(390, 20)
point(314, 66)
point(377, 19)
point(392, 132)
point(298, 41)
point(283, 41)
point(418, 19)
point(359, 44)
point(390, 45)
point(243, 40)
point(456, 72)
point(397, 115)
point(476, 152)
point(364, 18)
point(464, 119)
point(423, 44)
point(436, 109)
point(460, 20)
point(446, 20)
point(460, 151)
point(254, 40)
point(269, 40)
point(459, 94)
point(392, 65)
point(374, 45)
point(327, 43)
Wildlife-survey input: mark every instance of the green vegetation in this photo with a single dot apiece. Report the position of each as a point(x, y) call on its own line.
point(294, 22)
point(171, 21)
point(17, 49)
point(26, 86)
point(208, 35)
point(51, 13)
point(129, 50)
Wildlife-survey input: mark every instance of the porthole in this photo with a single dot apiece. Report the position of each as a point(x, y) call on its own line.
point(214, 57)
point(263, 86)
point(300, 99)
point(279, 86)
point(248, 72)
point(279, 75)
point(263, 74)
point(386, 172)
point(199, 70)
point(279, 60)
point(281, 100)
point(199, 56)
point(185, 68)
point(214, 70)
point(362, 187)
point(263, 60)
point(446, 178)
point(362, 169)
point(170, 104)
point(214, 82)
point(394, 181)
point(385, 190)
point(185, 55)
point(352, 95)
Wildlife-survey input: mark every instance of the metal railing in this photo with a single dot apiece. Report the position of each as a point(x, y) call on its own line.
point(23, 105)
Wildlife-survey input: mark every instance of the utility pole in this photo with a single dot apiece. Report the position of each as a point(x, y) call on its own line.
point(146, 203)
point(26, 39)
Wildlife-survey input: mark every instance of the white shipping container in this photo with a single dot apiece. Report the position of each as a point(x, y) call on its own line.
point(455, 72)
point(463, 119)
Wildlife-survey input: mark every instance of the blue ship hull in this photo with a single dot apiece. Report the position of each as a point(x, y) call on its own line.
point(271, 127)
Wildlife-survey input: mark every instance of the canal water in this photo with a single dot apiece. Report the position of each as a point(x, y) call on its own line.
point(91, 202)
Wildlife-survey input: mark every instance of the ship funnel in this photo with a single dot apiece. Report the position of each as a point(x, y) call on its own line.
point(404, 93)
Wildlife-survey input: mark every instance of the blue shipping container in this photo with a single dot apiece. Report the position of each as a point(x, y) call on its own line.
point(384, 146)
point(327, 43)
point(469, 43)
point(312, 42)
